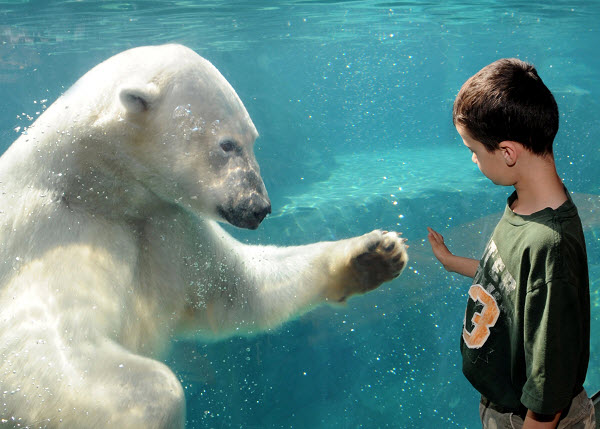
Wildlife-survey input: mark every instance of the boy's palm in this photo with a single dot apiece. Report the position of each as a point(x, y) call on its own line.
point(438, 246)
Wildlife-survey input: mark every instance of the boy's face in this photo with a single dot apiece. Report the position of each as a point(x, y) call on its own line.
point(492, 164)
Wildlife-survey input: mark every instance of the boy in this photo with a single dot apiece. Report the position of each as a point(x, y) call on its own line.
point(525, 339)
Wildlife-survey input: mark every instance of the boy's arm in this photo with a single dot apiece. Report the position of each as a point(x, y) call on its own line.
point(537, 421)
point(457, 264)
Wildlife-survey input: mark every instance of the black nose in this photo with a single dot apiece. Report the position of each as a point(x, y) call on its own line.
point(262, 213)
point(248, 214)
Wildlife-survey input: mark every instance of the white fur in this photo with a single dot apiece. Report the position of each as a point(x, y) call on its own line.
point(109, 245)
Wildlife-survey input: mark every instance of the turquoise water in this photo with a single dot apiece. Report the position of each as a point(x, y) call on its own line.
point(353, 103)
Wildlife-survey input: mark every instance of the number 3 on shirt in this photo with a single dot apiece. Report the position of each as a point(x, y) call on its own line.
point(483, 321)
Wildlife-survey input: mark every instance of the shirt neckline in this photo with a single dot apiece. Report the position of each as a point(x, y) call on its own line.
point(565, 209)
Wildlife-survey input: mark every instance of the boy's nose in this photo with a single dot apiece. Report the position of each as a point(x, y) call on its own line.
point(474, 158)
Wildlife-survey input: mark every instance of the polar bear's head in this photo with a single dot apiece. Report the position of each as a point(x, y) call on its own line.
point(189, 138)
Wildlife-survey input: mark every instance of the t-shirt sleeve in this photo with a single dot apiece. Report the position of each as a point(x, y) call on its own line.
point(553, 343)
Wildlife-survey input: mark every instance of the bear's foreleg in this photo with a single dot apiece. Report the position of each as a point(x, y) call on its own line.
point(263, 286)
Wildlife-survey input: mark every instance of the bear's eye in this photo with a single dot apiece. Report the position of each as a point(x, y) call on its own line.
point(228, 145)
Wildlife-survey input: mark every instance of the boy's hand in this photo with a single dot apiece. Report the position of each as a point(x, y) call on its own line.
point(440, 250)
point(464, 266)
point(539, 421)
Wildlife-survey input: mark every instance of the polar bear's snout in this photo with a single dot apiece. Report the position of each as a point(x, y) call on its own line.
point(241, 197)
point(247, 213)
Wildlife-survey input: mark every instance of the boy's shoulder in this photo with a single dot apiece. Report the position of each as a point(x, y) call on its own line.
point(549, 228)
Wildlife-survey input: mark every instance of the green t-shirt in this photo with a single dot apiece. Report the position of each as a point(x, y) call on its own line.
point(526, 331)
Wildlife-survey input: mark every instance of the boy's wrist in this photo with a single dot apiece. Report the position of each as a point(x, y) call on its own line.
point(449, 262)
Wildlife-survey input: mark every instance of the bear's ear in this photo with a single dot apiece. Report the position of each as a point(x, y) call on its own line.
point(139, 99)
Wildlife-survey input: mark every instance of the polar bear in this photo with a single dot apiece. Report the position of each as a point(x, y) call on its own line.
point(110, 245)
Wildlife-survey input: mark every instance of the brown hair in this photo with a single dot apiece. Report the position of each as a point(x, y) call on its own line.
point(507, 100)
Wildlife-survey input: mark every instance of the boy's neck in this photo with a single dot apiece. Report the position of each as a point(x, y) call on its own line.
point(538, 186)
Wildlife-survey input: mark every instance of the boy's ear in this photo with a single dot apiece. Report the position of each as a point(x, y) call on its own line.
point(510, 152)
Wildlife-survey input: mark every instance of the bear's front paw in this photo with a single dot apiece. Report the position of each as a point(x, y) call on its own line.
point(382, 258)
point(374, 258)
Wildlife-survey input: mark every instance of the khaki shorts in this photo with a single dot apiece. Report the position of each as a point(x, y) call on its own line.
point(581, 416)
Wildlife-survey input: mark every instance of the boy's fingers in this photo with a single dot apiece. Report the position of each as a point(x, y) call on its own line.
point(435, 235)
point(433, 232)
